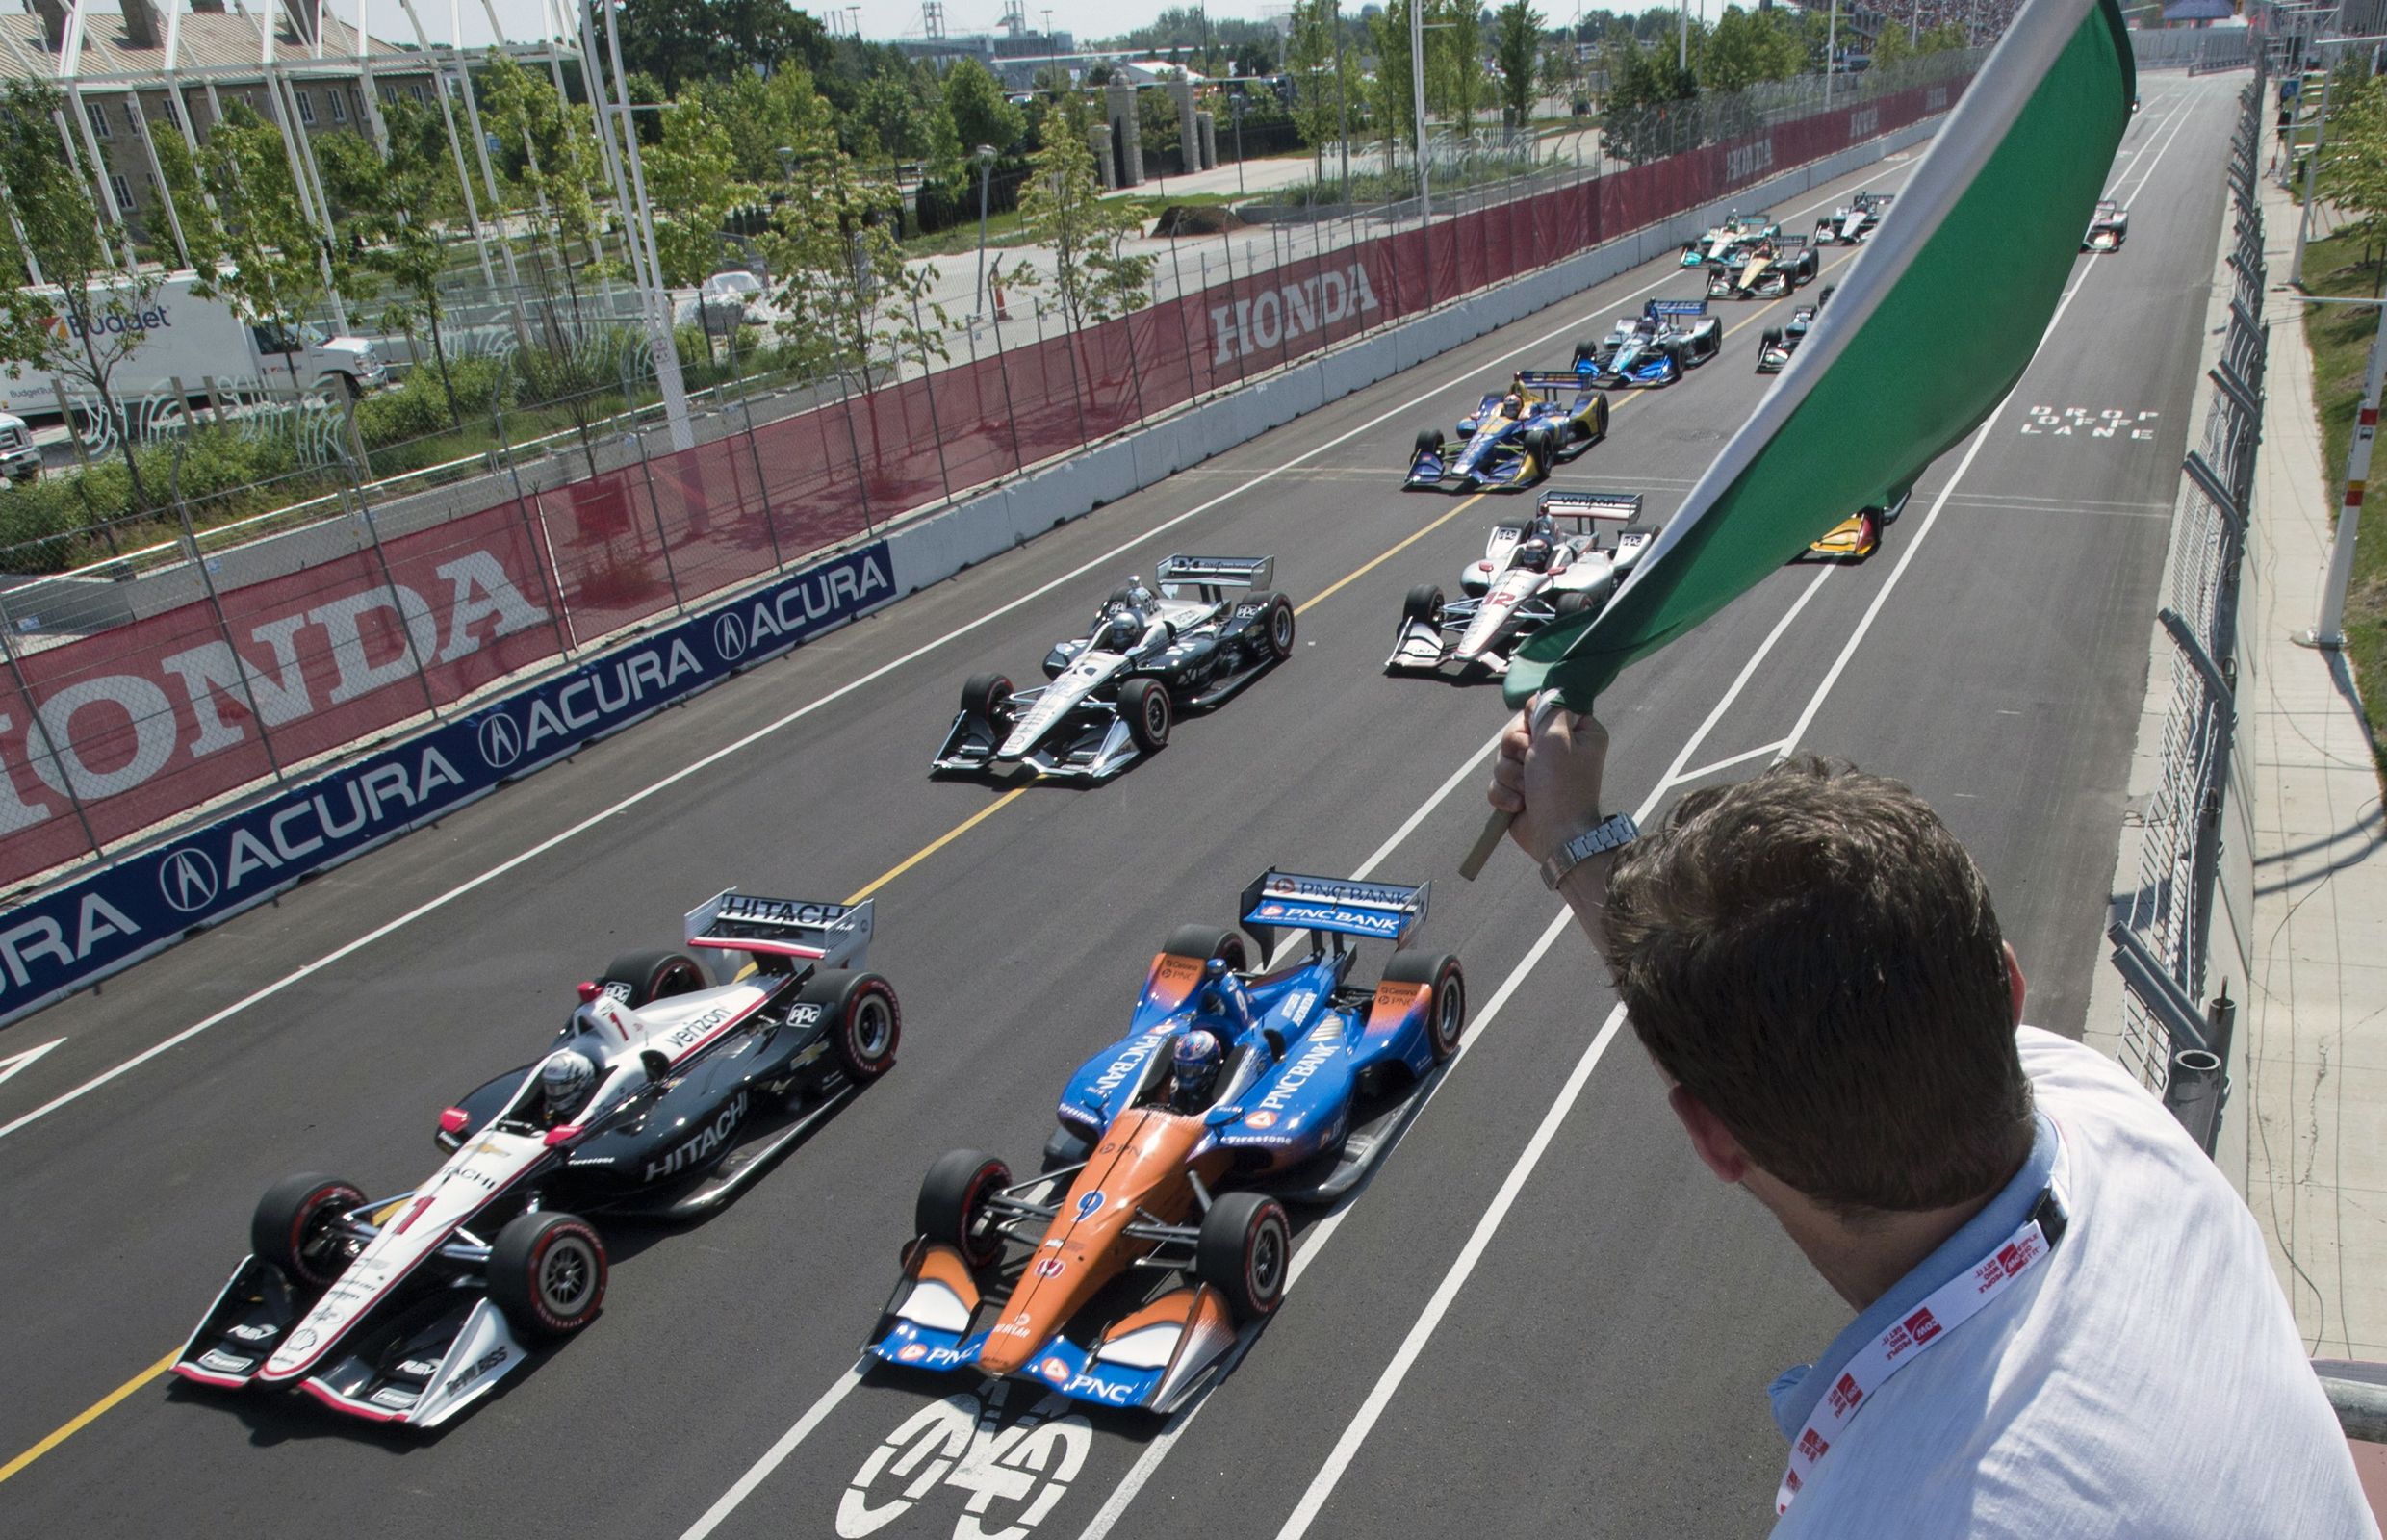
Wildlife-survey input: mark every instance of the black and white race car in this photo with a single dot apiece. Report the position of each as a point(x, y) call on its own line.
point(1776, 343)
point(1116, 692)
point(662, 1095)
point(2109, 226)
point(1854, 220)
point(1530, 574)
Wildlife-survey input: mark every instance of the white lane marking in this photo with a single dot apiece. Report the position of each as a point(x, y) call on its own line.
point(1722, 766)
point(760, 1470)
point(16, 1062)
point(1322, 1486)
point(1125, 1493)
point(430, 906)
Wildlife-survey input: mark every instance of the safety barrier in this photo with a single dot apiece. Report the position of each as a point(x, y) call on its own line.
point(2173, 1036)
point(106, 737)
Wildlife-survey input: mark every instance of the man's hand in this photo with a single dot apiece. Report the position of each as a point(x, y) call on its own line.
point(1550, 779)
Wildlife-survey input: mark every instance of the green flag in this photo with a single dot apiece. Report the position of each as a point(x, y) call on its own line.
point(1934, 324)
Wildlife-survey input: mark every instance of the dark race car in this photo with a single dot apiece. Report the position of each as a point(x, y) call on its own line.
point(1776, 343)
point(1233, 1094)
point(1115, 693)
point(1853, 222)
point(1654, 347)
point(1722, 244)
point(1547, 417)
point(2108, 227)
point(662, 1095)
point(1768, 270)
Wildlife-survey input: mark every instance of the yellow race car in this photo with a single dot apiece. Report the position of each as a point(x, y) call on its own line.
point(1854, 538)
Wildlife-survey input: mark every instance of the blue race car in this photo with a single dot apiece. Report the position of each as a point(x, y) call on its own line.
point(1233, 1093)
point(1654, 347)
point(1513, 440)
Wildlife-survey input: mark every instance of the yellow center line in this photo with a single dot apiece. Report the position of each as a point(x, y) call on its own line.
point(105, 1403)
point(76, 1426)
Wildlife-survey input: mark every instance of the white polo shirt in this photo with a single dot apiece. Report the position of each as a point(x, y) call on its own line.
point(2145, 1380)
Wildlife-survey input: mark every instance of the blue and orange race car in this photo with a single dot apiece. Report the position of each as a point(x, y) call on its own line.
point(1155, 1172)
point(1547, 416)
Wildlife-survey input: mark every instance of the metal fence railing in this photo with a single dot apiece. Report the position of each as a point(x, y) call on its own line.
point(2175, 1035)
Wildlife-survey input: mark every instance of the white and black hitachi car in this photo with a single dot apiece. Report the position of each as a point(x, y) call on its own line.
point(1116, 692)
point(1530, 574)
point(662, 1095)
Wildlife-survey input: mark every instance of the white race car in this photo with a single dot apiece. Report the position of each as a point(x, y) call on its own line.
point(1530, 576)
point(1115, 692)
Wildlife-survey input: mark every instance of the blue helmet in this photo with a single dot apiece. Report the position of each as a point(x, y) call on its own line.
point(1194, 1064)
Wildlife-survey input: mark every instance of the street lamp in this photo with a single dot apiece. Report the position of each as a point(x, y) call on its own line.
point(984, 155)
point(1239, 144)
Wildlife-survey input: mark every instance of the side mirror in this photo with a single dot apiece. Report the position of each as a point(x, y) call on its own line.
point(1276, 1040)
point(658, 1064)
point(1218, 1116)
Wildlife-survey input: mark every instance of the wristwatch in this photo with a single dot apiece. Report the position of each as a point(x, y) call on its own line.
point(1612, 833)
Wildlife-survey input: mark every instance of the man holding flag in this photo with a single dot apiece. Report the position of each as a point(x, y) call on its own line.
point(2066, 1319)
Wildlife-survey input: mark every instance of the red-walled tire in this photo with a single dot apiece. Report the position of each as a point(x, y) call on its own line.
point(547, 1272)
point(953, 1200)
point(1245, 1253)
point(865, 1024)
point(295, 1227)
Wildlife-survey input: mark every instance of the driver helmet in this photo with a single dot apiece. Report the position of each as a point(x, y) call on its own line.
point(1123, 627)
point(1512, 405)
point(1534, 555)
point(1193, 1066)
point(565, 1079)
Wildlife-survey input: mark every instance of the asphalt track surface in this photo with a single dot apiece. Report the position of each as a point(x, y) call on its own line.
point(1541, 1316)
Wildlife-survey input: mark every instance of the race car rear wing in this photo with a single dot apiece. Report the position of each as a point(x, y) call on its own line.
point(831, 935)
point(1791, 244)
point(1664, 308)
point(1548, 379)
point(1378, 911)
point(1622, 507)
point(1211, 575)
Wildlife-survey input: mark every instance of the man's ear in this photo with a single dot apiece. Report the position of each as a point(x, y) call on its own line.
point(2017, 985)
point(1716, 1147)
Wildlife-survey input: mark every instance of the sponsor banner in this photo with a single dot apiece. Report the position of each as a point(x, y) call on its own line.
point(87, 929)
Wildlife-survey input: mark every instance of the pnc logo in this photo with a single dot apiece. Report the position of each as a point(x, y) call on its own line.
point(187, 879)
point(500, 740)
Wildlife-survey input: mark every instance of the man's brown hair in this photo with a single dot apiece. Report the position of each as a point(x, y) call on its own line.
point(1813, 957)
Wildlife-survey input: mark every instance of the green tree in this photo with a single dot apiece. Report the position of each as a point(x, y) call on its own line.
point(2352, 176)
point(1743, 49)
point(1393, 99)
point(689, 183)
point(84, 323)
point(679, 41)
point(1643, 89)
point(1516, 49)
point(1454, 79)
point(248, 233)
point(1891, 45)
point(392, 211)
point(1062, 207)
point(844, 292)
point(981, 114)
point(1321, 95)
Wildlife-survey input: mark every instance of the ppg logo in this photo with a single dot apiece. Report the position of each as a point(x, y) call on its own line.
point(500, 740)
point(728, 638)
point(187, 881)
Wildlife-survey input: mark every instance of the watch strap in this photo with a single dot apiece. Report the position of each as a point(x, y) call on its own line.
point(1612, 833)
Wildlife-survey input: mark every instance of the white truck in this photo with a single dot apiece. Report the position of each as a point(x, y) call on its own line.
point(20, 461)
point(193, 339)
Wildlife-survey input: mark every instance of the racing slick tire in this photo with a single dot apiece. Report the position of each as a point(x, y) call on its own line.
point(1770, 337)
point(1244, 1250)
point(952, 1198)
point(1446, 1017)
point(1423, 605)
point(1206, 941)
point(988, 698)
point(293, 1227)
point(865, 1024)
point(1428, 441)
point(1569, 604)
point(547, 1272)
point(645, 977)
point(1277, 626)
point(1587, 352)
point(1543, 445)
point(1145, 706)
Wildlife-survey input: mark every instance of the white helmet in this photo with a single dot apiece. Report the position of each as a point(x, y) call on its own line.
point(566, 1078)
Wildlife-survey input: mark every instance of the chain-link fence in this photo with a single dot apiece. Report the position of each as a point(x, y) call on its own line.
point(2174, 1035)
point(197, 660)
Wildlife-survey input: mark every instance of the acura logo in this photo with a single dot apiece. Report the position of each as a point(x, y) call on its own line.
point(187, 878)
point(730, 638)
point(500, 740)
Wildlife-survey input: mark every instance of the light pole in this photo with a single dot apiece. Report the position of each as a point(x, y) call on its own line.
point(1239, 144)
point(1682, 52)
point(1831, 54)
point(2328, 632)
point(984, 155)
point(1342, 100)
point(1417, 84)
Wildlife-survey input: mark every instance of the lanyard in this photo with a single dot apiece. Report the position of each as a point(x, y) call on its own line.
point(1946, 1308)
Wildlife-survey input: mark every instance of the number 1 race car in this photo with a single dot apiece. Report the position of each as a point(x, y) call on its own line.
point(1776, 343)
point(1768, 270)
point(1116, 692)
point(1854, 538)
point(1151, 1172)
point(1530, 574)
point(1721, 246)
point(662, 1095)
point(1854, 220)
point(1654, 348)
point(1545, 417)
point(2108, 227)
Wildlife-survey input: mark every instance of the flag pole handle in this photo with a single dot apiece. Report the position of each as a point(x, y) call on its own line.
point(1496, 827)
